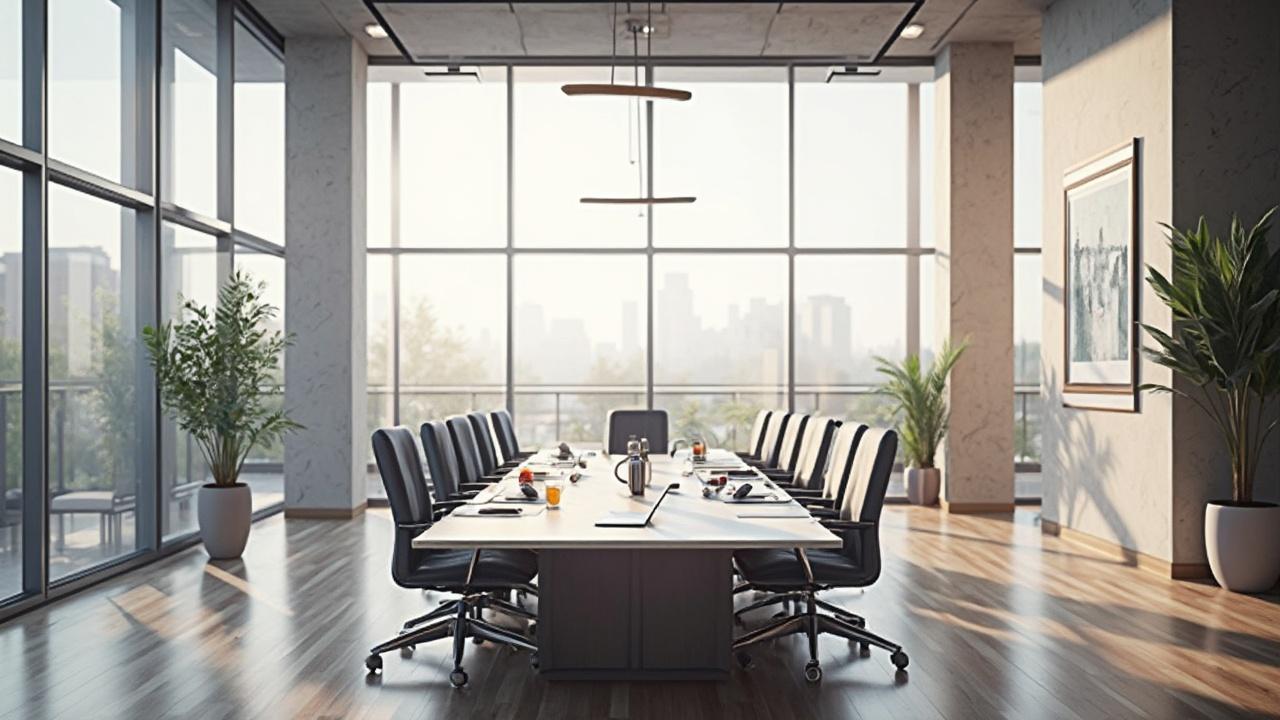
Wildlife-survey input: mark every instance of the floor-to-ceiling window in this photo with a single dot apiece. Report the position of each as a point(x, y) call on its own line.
point(1028, 218)
point(118, 201)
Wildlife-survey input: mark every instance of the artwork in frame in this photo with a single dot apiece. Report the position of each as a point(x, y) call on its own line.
point(1100, 201)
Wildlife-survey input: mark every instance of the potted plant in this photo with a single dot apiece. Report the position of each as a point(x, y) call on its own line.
point(216, 374)
point(1225, 340)
point(921, 405)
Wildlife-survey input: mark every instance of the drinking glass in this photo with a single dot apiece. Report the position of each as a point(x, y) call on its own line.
point(555, 487)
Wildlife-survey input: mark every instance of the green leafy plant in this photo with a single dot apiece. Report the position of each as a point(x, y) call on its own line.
point(217, 372)
point(921, 401)
point(1225, 298)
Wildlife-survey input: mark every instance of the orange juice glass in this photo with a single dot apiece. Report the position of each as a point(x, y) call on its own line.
point(555, 486)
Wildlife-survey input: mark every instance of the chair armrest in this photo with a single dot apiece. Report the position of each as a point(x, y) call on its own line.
point(823, 514)
point(779, 476)
point(462, 495)
point(820, 502)
point(471, 487)
point(414, 528)
point(444, 507)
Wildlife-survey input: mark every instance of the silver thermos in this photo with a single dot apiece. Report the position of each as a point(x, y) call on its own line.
point(637, 468)
point(644, 455)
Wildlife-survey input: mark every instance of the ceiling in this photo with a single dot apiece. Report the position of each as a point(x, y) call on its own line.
point(856, 31)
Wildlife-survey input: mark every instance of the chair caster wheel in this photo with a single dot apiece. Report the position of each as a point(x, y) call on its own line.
point(744, 660)
point(533, 661)
point(373, 663)
point(407, 651)
point(899, 660)
point(458, 678)
point(812, 672)
point(864, 649)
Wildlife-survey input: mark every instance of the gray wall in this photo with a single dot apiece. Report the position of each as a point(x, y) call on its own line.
point(1197, 82)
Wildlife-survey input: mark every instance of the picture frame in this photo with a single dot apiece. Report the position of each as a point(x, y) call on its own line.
point(1101, 281)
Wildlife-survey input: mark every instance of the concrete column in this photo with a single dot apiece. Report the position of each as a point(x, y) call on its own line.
point(974, 274)
point(324, 464)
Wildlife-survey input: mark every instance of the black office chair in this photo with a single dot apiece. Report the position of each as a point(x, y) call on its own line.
point(619, 425)
point(755, 440)
point(489, 463)
point(812, 457)
point(442, 461)
point(771, 446)
point(473, 574)
point(506, 432)
point(789, 449)
point(801, 574)
point(825, 501)
point(464, 444)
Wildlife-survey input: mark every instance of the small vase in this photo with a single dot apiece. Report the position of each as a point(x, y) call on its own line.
point(225, 512)
point(923, 485)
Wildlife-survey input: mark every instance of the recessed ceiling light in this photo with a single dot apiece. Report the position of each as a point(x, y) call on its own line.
point(374, 30)
point(912, 31)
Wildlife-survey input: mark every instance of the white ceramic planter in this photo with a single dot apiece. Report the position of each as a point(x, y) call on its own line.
point(225, 514)
point(1243, 545)
point(923, 485)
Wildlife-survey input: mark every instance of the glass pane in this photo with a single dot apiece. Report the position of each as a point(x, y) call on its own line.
point(1028, 166)
point(728, 147)
point(11, 381)
point(453, 162)
point(92, 90)
point(849, 309)
point(378, 165)
point(567, 148)
point(720, 320)
point(453, 339)
point(10, 78)
point(189, 271)
point(264, 467)
point(929, 329)
point(851, 164)
point(259, 139)
point(380, 383)
point(189, 105)
point(552, 415)
point(927, 171)
point(1027, 319)
point(93, 409)
point(721, 417)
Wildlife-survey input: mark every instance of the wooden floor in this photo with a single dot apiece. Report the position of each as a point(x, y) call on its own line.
point(999, 622)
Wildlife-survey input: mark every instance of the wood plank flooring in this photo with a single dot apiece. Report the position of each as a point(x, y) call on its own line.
point(999, 621)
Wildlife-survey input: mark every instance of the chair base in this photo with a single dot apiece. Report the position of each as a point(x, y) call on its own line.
point(459, 618)
point(811, 623)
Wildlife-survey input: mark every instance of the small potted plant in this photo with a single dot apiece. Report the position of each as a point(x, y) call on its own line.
point(921, 405)
point(216, 373)
point(1224, 295)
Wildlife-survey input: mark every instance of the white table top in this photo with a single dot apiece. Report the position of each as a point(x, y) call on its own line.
point(685, 519)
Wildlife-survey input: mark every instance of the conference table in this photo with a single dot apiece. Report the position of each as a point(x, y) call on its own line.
point(653, 602)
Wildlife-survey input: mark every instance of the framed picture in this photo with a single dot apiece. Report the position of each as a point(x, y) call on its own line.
point(1101, 280)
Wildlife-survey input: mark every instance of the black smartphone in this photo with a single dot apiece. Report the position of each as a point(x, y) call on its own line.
point(498, 511)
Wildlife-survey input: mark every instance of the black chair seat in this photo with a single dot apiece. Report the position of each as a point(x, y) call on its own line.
point(778, 568)
point(496, 569)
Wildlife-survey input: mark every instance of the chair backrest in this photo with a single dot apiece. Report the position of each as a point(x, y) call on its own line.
point(773, 438)
point(789, 450)
point(756, 439)
point(622, 424)
point(396, 454)
point(442, 459)
point(848, 437)
point(864, 499)
point(484, 441)
point(464, 444)
point(815, 449)
point(505, 429)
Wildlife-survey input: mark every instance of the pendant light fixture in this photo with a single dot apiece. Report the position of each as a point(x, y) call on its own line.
point(635, 92)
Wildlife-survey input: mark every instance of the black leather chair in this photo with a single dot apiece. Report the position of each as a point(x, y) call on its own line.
point(442, 461)
point(464, 444)
point(789, 449)
point(475, 575)
point(505, 429)
point(811, 461)
point(825, 501)
point(489, 462)
point(800, 574)
point(619, 425)
point(755, 440)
